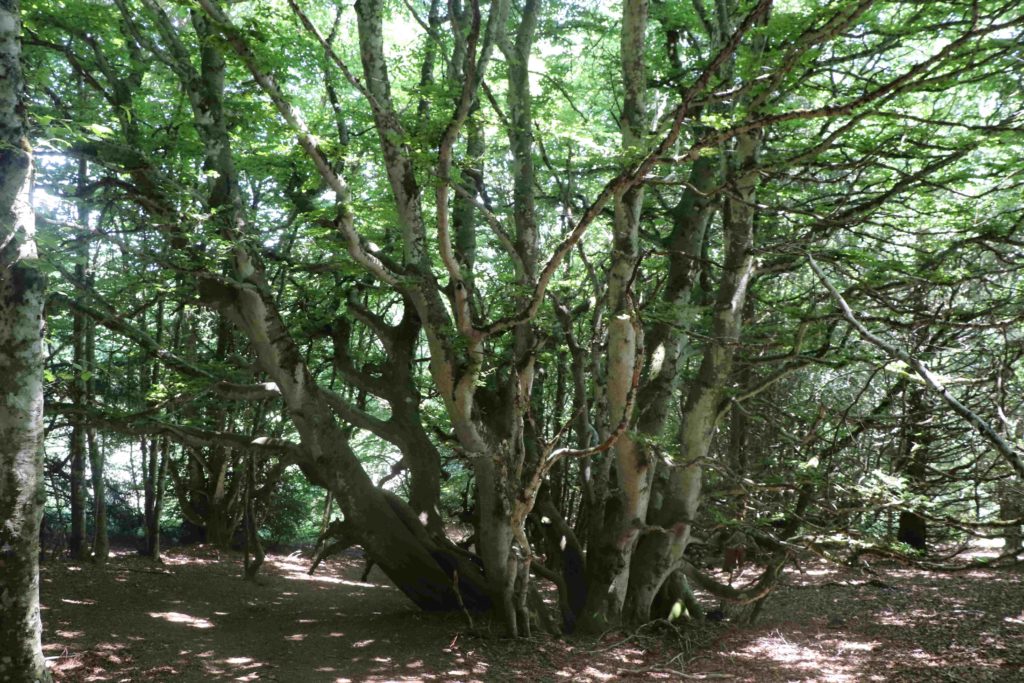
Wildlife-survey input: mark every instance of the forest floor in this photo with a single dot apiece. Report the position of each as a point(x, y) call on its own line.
point(194, 619)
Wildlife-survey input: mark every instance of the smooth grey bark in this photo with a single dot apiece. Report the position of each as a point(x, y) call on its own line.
point(21, 377)
point(610, 563)
point(487, 423)
point(503, 544)
point(691, 217)
point(671, 522)
point(701, 411)
point(393, 382)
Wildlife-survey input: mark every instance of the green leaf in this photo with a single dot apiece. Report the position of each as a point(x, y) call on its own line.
point(99, 130)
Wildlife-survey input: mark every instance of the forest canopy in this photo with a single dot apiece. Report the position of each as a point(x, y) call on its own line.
point(527, 293)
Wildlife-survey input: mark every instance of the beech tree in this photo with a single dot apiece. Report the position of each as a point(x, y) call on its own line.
point(21, 374)
point(612, 263)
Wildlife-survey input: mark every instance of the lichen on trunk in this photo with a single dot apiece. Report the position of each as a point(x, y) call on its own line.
point(22, 288)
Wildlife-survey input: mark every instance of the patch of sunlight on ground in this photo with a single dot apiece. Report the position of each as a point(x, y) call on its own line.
point(912, 616)
point(598, 675)
point(184, 560)
point(925, 658)
point(242, 668)
point(78, 602)
point(854, 646)
point(825, 571)
point(181, 618)
point(820, 660)
point(297, 571)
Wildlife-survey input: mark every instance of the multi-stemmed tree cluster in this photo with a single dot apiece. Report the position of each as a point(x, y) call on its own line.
point(649, 274)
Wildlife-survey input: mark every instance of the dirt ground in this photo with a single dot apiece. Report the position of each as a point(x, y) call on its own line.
point(194, 619)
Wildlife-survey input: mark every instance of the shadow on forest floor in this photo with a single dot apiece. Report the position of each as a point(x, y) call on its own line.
point(194, 619)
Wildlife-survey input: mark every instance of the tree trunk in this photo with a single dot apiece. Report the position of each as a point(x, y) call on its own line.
point(203, 500)
point(391, 534)
point(154, 457)
point(495, 539)
point(101, 542)
point(77, 547)
point(609, 564)
point(155, 453)
point(159, 450)
point(253, 546)
point(77, 447)
point(219, 528)
point(913, 462)
point(21, 377)
point(913, 530)
point(79, 391)
point(1010, 508)
point(701, 411)
point(390, 531)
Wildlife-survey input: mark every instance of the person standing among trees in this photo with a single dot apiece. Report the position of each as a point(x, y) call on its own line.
point(21, 377)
